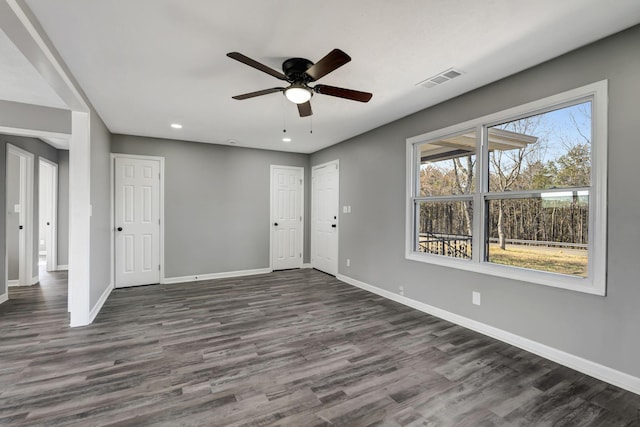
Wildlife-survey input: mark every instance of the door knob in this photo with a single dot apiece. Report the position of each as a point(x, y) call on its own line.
point(20, 227)
point(119, 228)
point(275, 224)
point(47, 222)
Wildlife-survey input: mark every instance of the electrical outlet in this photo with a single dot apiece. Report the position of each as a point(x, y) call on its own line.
point(401, 290)
point(475, 298)
point(348, 262)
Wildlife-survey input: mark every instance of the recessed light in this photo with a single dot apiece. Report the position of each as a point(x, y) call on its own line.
point(176, 125)
point(286, 139)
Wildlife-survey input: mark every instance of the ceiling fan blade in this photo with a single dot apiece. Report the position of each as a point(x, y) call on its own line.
point(334, 60)
point(354, 95)
point(255, 64)
point(258, 93)
point(305, 109)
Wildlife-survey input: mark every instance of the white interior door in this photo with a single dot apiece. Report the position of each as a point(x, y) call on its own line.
point(324, 217)
point(287, 207)
point(48, 197)
point(19, 222)
point(137, 221)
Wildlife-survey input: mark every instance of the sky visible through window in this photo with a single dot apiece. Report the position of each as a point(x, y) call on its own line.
point(559, 130)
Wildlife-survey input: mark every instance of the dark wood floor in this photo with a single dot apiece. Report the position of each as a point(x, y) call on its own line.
point(292, 348)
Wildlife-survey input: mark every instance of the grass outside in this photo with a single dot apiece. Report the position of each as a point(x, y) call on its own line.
point(557, 260)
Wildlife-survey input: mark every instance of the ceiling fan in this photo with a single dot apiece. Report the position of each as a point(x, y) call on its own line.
point(299, 72)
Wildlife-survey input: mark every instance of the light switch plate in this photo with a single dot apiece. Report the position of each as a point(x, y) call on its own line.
point(475, 297)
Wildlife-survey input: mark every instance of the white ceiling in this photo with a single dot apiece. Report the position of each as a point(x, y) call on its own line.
point(145, 64)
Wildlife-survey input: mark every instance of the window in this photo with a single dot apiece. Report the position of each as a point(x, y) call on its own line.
point(519, 194)
point(444, 210)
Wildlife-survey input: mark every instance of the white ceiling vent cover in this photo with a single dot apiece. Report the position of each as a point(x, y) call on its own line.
point(440, 78)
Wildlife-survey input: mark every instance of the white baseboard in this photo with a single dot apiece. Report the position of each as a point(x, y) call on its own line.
point(596, 370)
point(306, 265)
point(103, 298)
point(13, 283)
point(4, 297)
point(223, 275)
point(62, 267)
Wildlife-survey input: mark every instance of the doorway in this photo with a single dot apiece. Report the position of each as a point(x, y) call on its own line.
point(325, 184)
point(287, 217)
point(47, 214)
point(19, 218)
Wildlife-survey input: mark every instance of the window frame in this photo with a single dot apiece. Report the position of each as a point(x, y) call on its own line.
point(595, 282)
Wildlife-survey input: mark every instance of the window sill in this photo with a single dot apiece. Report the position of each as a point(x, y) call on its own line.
point(584, 285)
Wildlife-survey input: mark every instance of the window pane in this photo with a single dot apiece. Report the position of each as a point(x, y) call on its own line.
point(548, 232)
point(549, 150)
point(444, 228)
point(447, 166)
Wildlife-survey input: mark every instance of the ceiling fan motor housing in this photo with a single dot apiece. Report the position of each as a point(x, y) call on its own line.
point(295, 69)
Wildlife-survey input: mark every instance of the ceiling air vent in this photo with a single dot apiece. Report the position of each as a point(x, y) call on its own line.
point(440, 78)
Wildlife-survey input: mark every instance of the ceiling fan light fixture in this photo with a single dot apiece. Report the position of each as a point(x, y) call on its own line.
point(298, 93)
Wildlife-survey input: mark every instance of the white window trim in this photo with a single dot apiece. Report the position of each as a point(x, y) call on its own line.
point(595, 283)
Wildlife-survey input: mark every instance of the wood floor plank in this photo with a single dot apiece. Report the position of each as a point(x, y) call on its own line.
point(291, 348)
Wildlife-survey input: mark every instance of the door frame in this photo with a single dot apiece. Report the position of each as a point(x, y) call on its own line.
point(25, 251)
point(313, 168)
point(52, 248)
point(113, 208)
point(271, 207)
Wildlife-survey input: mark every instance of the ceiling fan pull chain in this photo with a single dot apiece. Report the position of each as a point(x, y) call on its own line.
point(284, 117)
point(311, 124)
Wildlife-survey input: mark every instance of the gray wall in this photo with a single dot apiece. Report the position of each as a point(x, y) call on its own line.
point(39, 149)
point(100, 256)
point(216, 203)
point(35, 117)
point(372, 181)
point(63, 207)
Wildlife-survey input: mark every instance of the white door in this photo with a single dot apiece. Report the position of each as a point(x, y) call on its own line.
point(19, 220)
point(137, 221)
point(286, 217)
point(48, 192)
point(324, 217)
